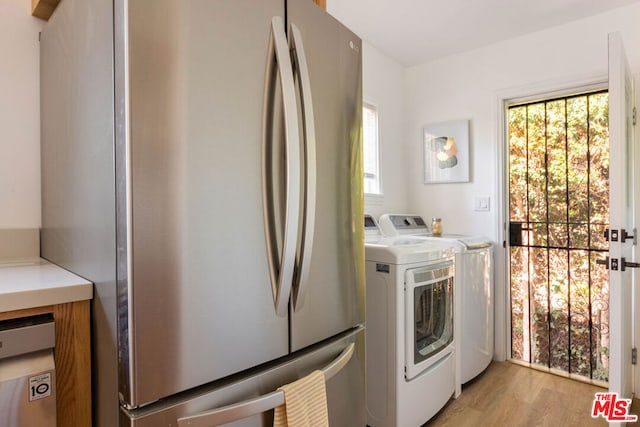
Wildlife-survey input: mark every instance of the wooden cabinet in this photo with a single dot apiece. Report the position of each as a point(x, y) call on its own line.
point(321, 3)
point(43, 8)
point(72, 358)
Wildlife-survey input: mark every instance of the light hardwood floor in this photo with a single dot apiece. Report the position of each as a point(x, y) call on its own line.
point(508, 395)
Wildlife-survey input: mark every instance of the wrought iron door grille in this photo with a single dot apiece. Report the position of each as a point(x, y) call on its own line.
point(558, 213)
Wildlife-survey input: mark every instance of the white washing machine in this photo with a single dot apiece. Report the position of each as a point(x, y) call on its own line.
point(474, 281)
point(410, 346)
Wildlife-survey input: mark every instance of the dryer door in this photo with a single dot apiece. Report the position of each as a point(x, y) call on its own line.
point(428, 316)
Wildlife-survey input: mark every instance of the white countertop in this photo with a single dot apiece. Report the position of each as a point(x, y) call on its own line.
point(39, 283)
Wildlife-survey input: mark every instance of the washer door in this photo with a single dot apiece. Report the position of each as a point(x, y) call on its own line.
point(428, 315)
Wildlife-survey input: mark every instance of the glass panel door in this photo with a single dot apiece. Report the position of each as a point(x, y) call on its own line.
point(558, 213)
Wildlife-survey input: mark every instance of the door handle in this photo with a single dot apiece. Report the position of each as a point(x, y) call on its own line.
point(624, 264)
point(604, 262)
point(260, 404)
point(281, 260)
point(309, 138)
point(624, 236)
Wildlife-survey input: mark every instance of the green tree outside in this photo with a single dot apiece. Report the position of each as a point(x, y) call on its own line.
point(559, 192)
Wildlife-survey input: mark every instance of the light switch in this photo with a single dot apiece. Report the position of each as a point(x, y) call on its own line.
point(481, 204)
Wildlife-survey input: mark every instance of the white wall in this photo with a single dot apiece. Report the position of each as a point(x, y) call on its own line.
point(383, 84)
point(467, 86)
point(19, 116)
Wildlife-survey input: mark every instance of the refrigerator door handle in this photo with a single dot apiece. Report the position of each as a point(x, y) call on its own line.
point(267, 402)
point(281, 260)
point(308, 122)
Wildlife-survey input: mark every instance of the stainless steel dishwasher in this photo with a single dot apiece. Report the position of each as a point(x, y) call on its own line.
point(27, 372)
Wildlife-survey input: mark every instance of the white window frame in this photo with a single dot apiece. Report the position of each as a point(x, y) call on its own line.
point(376, 176)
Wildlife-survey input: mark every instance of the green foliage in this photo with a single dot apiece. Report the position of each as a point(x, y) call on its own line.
point(559, 189)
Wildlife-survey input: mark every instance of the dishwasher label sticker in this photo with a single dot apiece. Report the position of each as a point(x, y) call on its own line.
point(39, 386)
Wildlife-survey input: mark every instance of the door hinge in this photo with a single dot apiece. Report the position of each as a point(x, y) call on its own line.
point(634, 356)
point(635, 116)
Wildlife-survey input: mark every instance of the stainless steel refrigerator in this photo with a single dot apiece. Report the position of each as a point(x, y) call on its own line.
point(201, 165)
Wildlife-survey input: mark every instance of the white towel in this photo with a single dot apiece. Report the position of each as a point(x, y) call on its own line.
point(305, 403)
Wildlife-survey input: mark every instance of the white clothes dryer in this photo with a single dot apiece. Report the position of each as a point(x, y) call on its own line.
point(410, 345)
point(474, 280)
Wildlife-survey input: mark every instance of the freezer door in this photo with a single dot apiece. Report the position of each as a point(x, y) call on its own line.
point(330, 293)
point(198, 289)
point(234, 403)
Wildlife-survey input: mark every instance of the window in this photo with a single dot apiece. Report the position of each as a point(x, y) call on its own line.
point(371, 149)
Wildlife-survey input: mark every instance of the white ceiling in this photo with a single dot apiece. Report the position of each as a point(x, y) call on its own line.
point(416, 31)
